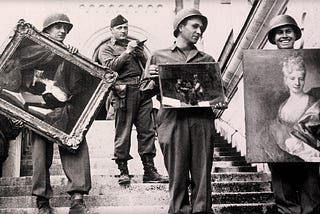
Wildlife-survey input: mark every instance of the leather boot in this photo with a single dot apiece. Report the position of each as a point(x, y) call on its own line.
point(151, 174)
point(43, 205)
point(124, 172)
point(77, 204)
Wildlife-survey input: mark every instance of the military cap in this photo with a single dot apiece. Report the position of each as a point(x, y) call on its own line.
point(118, 20)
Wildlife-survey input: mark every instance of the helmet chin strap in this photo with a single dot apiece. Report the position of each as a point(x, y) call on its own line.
point(304, 14)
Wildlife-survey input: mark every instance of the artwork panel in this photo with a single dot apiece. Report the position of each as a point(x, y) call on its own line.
point(272, 134)
point(190, 85)
point(52, 91)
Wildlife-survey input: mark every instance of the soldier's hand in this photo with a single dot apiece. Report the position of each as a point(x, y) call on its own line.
point(153, 71)
point(221, 105)
point(17, 123)
point(131, 46)
point(72, 49)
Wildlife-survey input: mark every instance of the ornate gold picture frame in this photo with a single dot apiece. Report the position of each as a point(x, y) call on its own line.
point(53, 92)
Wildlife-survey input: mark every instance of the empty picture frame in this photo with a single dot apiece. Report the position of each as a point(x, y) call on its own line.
point(281, 96)
point(53, 92)
point(189, 85)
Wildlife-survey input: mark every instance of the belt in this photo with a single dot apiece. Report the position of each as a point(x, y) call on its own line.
point(129, 81)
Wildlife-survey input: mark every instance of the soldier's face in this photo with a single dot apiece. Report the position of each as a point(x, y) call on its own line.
point(284, 37)
point(58, 31)
point(120, 32)
point(192, 30)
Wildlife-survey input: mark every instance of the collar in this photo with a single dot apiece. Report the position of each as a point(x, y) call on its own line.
point(193, 52)
point(113, 41)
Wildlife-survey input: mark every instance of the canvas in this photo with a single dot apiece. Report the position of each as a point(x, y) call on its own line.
point(50, 90)
point(281, 95)
point(190, 85)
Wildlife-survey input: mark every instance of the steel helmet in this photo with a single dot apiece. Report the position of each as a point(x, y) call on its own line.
point(56, 18)
point(186, 13)
point(282, 20)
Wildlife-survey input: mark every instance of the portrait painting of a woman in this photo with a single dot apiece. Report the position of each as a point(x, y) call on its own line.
point(293, 129)
point(282, 105)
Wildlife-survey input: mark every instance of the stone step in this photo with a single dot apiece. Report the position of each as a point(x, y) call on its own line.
point(253, 208)
point(97, 179)
point(241, 186)
point(110, 189)
point(240, 176)
point(126, 198)
point(235, 154)
point(224, 149)
point(228, 158)
point(100, 163)
point(142, 199)
point(230, 163)
point(96, 210)
point(103, 187)
point(242, 197)
point(235, 169)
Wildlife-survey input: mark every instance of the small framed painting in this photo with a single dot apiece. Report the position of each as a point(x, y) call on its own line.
point(190, 85)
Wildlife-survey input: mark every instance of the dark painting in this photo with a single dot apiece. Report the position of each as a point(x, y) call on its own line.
point(190, 85)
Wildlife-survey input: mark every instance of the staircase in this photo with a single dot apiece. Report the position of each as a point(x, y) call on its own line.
point(237, 186)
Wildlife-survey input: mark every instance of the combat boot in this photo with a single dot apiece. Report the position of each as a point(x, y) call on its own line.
point(124, 172)
point(77, 204)
point(151, 174)
point(43, 205)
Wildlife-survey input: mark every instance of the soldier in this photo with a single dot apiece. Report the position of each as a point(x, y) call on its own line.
point(186, 135)
point(76, 166)
point(296, 185)
point(127, 59)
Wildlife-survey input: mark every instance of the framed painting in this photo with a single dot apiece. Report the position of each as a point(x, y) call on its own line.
point(53, 92)
point(190, 85)
point(281, 95)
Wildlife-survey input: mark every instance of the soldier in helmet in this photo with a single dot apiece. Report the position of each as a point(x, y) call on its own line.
point(76, 166)
point(296, 185)
point(186, 135)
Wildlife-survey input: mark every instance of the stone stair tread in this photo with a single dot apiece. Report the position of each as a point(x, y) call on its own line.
point(218, 208)
point(242, 197)
point(61, 179)
point(141, 199)
point(96, 210)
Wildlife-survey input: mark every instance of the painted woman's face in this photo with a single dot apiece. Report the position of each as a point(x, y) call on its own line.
point(295, 81)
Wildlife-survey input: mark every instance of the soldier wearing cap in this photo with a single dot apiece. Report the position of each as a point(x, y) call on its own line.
point(186, 135)
point(127, 59)
point(296, 185)
point(76, 166)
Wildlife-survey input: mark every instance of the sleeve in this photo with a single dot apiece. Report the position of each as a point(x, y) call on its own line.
point(114, 62)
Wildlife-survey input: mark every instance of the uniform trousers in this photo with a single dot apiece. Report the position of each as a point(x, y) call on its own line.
point(76, 167)
point(137, 111)
point(296, 187)
point(186, 138)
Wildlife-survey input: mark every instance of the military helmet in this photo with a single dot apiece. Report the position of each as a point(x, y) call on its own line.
point(57, 18)
point(186, 13)
point(279, 21)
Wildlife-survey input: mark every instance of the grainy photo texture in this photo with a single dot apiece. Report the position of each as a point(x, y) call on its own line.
point(281, 91)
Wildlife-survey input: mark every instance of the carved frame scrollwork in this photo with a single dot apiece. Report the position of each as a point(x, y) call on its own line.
point(106, 77)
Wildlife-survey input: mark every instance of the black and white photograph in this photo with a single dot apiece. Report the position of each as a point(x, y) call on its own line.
point(190, 85)
point(282, 114)
point(159, 107)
